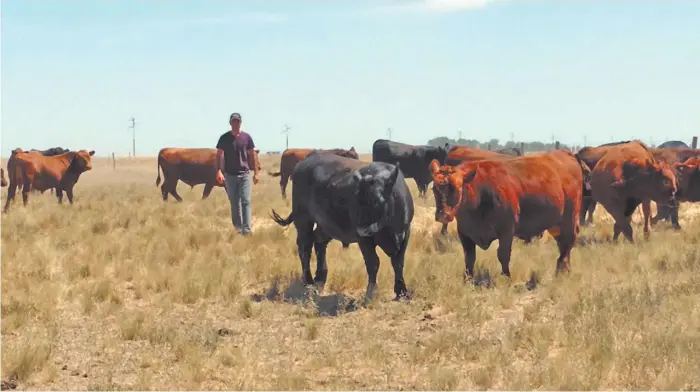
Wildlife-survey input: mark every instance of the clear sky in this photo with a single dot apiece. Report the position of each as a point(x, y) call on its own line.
point(341, 72)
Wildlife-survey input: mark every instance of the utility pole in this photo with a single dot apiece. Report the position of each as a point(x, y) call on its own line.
point(133, 136)
point(286, 132)
point(459, 135)
point(388, 132)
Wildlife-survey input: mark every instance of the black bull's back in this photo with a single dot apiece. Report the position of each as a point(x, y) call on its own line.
point(350, 201)
point(413, 160)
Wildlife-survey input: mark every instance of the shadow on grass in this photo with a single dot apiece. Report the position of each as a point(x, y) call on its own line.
point(326, 305)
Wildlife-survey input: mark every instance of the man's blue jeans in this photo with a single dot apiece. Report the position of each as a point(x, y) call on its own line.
point(238, 188)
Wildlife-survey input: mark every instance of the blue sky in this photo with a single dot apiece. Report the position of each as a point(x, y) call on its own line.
point(341, 72)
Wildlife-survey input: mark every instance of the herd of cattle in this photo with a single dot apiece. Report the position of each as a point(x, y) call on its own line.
point(492, 195)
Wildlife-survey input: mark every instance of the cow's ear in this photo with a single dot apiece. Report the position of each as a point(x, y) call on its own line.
point(394, 174)
point(92, 152)
point(469, 177)
point(434, 167)
point(352, 148)
point(257, 151)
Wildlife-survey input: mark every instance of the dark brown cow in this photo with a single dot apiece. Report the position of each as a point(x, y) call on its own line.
point(671, 156)
point(193, 166)
point(689, 179)
point(626, 176)
point(3, 181)
point(503, 199)
point(35, 171)
point(292, 156)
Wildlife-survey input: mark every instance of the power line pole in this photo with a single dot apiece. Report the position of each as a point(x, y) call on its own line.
point(388, 132)
point(133, 136)
point(286, 132)
point(459, 135)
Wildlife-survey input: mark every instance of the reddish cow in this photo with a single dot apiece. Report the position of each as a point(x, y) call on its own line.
point(3, 181)
point(193, 166)
point(689, 179)
point(503, 199)
point(626, 176)
point(35, 171)
point(671, 156)
point(292, 156)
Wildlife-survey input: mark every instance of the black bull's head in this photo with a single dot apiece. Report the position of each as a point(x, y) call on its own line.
point(373, 192)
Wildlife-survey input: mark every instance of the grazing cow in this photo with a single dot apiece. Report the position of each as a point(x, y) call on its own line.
point(673, 144)
point(503, 199)
point(671, 156)
point(414, 160)
point(689, 179)
point(351, 201)
point(292, 156)
point(627, 176)
point(193, 166)
point(35, 171)
point(3, 181)
point(591, 155)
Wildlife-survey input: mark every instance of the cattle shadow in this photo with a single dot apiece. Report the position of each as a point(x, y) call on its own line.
point(297, 293)
point(589, 240)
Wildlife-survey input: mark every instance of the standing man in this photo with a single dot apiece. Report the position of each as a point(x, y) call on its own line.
point(235, 156)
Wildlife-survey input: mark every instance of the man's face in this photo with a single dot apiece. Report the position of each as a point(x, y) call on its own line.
point(235, 124)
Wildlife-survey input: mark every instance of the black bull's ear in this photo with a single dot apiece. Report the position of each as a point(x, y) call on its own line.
point(391, 181)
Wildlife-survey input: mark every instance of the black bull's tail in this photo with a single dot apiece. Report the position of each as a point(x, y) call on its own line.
point(158, 171)
point(283, 222)
point(277, 174)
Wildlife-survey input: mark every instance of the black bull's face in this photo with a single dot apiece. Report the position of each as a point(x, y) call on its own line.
point(371, 207)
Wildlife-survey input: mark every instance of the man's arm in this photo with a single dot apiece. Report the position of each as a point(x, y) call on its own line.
point(251, 155)
point(219, 162)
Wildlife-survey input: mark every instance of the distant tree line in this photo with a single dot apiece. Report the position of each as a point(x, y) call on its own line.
point(495, 144)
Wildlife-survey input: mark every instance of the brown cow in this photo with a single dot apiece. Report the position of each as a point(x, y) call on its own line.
point(193, 166)
point(3, 181)
point(292, 156)
point(671, 156)
point(626, 176)
point(503, 199)
point(591, 156)
point(35, 171)
point(689, 179)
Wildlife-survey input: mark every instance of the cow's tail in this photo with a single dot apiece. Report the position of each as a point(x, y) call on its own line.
point(281, 221)
point(158, 170)
point(277, 174)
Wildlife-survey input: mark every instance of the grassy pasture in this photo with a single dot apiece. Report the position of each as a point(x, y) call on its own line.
point(123, 291)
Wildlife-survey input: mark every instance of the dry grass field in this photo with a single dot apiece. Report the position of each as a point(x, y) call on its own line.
point(123, 291)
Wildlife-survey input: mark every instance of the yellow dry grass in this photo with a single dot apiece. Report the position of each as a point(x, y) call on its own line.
point(123, 291)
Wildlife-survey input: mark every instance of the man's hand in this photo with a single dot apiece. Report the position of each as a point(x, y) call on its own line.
point(255, 178)
point(219, 177)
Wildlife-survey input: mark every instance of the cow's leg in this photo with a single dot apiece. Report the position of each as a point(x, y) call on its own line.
point(674, 216)
point(662, 212)
point(369, 253)
point(505, 244)
point(69, 194)
point(26, 188)
point(585, 204)
point(443, 231)
point(397, 252)
point(305, 243)
point(565, 238)
point(321, 240)
point(591, 210)
point(422, 187)
point(469, 250)
point(284, 180)
point(623, 222)
point(208, 187)
point(646, 211)
point(59, 195)
point(172, 189)
point(11, 192)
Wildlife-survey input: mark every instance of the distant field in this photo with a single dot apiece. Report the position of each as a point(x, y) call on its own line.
point(124, 291)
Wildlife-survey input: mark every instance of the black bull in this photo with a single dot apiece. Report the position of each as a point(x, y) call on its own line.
point(414, 160)
point(350, 201)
